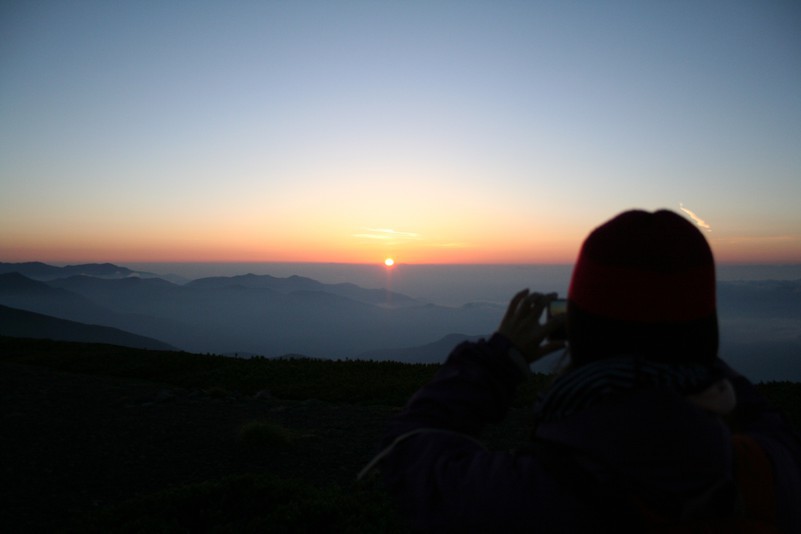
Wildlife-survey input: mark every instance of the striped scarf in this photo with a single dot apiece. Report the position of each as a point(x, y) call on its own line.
point(610, 378)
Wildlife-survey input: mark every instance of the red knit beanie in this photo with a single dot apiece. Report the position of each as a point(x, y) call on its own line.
point(644, 285)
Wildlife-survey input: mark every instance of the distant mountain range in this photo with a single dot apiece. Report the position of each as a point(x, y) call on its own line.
point(43, 271)
point(272, 316)
point(245, 314)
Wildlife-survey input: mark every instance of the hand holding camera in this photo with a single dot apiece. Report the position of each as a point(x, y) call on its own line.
point(522, 327)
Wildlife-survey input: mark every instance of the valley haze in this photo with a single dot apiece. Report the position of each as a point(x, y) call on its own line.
point(413, 313)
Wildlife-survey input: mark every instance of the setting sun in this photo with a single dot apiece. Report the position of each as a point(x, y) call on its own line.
point(389, 262)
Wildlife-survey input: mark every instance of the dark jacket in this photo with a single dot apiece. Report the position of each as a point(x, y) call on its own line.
point(580, 472)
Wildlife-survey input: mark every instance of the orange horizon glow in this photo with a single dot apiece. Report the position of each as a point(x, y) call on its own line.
point(722, 256)
point(465, 246)
point(781, 250)
point(314, 253)
point(724, 251)
point(303, 245)
point(739, 251)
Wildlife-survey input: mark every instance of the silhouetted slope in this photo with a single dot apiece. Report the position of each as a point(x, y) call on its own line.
point(18, 291)
point(25, 324)
point(16, 283)
point(31, 269)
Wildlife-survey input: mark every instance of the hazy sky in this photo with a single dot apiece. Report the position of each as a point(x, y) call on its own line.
point(431, 131)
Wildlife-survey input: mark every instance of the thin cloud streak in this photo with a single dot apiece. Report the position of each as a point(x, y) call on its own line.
point(386, 233)
point(698, 220)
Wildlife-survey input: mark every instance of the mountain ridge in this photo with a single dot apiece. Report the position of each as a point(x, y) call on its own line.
point(42, 271)
point(249, 314)
point(25, 324)
point(760, 321)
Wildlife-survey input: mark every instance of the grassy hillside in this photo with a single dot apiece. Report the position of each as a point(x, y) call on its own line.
point(358, 382)
point(349, 381)
point(279, 471)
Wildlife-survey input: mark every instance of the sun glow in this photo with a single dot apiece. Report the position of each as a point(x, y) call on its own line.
point(389, 262)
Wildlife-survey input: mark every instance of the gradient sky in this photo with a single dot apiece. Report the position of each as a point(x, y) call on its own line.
point(431, 131)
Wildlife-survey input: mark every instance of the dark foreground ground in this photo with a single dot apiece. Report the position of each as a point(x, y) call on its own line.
point(74, 444)
point(82, 453)
point(103, 439)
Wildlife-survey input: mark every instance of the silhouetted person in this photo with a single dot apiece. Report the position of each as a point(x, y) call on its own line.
point(641, 430)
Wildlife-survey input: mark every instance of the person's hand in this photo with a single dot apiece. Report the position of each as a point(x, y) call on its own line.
point(521, 325)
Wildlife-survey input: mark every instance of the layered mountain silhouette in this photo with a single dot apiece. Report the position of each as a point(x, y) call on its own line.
point(271, 316)
point(42, 271)
point(21, 323)
point(250, 314)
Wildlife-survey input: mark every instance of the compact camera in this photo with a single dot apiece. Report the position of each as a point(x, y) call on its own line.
point(556, 308)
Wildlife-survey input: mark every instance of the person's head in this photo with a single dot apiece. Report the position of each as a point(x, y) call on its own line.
point(644, 285)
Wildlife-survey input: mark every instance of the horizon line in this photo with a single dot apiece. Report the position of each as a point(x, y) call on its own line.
point(63, 263)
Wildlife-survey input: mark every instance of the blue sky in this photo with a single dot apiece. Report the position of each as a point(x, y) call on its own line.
point(431, 131)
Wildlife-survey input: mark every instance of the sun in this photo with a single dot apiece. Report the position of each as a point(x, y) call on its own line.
point(389, 262)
